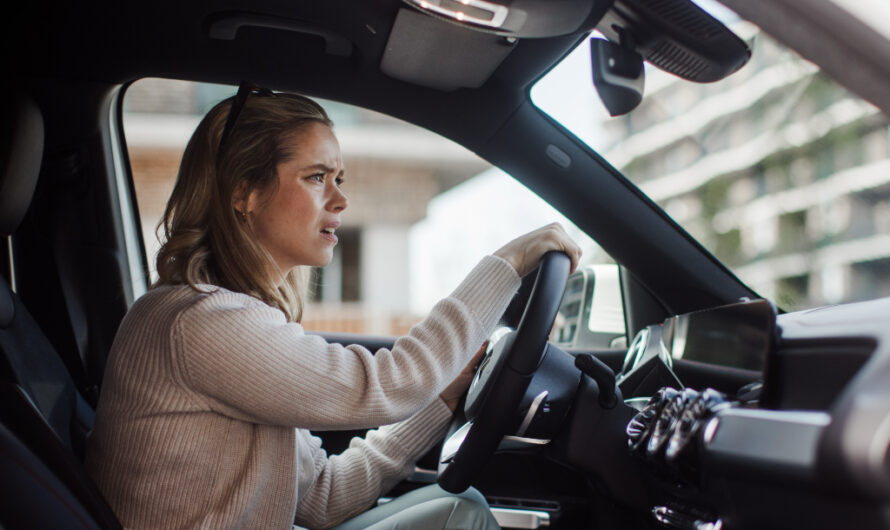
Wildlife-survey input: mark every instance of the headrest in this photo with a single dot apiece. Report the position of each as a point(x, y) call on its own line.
point(21, 150)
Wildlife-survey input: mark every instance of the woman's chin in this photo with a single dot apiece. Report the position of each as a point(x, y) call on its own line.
point(321, 260)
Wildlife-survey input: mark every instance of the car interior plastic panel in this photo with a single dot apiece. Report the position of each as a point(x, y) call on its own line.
point(434, 53)
point(678, 37)
point(226, 27)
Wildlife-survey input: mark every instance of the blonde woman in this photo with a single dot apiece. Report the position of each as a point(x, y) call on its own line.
point(212, 384)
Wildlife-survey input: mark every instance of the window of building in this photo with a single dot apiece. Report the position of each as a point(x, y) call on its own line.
point(870, 279)
point(793, 231)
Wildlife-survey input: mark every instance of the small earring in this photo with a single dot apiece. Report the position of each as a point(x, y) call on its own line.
point(243, 215)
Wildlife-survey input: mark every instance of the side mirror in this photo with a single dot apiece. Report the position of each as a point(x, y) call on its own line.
point(591, 314)
point(618, 75)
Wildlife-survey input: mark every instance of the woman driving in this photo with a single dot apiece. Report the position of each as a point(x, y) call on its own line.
point(212, 385)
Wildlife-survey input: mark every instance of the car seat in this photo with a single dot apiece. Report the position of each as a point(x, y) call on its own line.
point(44, 418)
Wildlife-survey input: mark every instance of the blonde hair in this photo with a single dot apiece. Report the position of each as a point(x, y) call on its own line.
point(205, 241)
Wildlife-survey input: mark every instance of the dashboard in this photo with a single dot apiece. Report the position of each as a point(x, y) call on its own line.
point(750, 419)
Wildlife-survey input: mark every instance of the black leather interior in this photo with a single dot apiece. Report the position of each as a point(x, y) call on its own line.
point(31, 496)
point(45, 419)
point(21, 152)
point(27, 424)
point(36, 367)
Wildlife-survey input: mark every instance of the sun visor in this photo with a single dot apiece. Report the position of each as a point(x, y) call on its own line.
point(438, 54)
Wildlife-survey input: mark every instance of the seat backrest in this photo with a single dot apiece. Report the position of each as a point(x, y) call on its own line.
point(29, 360)
point(21, 153)
point(61, 486)
point(44, 420)
point(31, 496)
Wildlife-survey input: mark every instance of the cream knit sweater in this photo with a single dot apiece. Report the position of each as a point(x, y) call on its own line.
point(207, 401)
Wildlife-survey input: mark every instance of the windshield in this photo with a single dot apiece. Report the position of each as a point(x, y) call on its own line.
point(777, 170)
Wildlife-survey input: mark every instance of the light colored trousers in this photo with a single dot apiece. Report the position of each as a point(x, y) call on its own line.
point(427, 508)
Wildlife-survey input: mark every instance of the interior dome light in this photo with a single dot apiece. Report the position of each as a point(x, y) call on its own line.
point(477, 12)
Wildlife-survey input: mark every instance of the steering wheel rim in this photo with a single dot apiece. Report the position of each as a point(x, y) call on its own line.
point(491, 409)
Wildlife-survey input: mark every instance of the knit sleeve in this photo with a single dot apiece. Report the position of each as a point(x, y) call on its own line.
point(342, 486)
point(247, 362)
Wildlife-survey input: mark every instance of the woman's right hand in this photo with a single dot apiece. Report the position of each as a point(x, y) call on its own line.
point(524, 252)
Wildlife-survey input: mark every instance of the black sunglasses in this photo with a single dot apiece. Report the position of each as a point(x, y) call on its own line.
point(245, 89)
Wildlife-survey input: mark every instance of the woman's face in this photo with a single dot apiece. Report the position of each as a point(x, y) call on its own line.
point(295, 220)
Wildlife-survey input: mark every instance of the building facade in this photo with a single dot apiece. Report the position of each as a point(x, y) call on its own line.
point(780, 172)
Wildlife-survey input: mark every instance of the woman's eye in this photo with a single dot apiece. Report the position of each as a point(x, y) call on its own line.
point(318, 177)
point(339, 181)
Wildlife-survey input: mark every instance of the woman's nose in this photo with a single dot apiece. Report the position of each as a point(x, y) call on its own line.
point(338, 200)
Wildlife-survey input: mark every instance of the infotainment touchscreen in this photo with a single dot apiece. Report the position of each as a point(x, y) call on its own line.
point(737, 335)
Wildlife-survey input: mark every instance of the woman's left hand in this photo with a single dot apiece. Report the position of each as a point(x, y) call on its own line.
point(453, 392)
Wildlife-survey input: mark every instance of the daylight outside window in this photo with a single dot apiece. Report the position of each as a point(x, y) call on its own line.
point(777, 170)
point(422, 210)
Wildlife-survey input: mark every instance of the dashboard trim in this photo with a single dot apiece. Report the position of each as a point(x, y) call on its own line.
point(768, 437)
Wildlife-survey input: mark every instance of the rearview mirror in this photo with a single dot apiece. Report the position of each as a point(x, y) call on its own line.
point(618, 75)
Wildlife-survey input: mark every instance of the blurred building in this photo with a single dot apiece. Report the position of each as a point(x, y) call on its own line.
point(393, 169)
point(781, 173)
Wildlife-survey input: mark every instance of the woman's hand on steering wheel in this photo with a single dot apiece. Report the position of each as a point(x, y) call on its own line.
point(457, 388)
point(525, 252)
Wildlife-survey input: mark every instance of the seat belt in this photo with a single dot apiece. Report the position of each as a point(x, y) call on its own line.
point(67, 243)
point(68, 281)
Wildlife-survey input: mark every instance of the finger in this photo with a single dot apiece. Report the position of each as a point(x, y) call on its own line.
point(575, 256)
point(571, 249)
point(477, 357)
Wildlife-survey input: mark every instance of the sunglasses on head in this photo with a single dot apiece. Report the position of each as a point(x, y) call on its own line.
point(245, 90)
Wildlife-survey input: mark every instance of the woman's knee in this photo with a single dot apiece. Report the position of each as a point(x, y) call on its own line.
point(471, 511)
point(473, 495)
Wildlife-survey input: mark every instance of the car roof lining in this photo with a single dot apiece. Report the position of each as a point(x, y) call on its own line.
point(96, 42)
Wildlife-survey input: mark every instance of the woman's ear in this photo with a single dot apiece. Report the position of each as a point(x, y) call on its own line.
point(240, 198)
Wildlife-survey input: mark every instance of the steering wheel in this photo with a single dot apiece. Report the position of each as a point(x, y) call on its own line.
point(503, 378)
